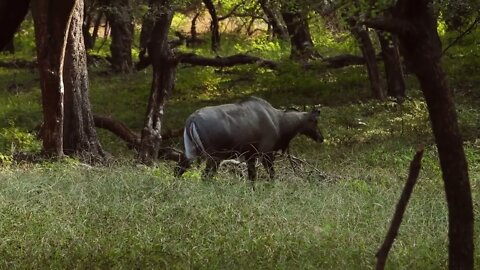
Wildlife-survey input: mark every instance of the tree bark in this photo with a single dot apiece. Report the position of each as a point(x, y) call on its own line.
point(148, 21)
point(79, 135)
point(51, 21)
point(214, 28)
point(164, 69)
point(363, 37)
point(12, 14)
point(415, 23)
point(87, 21)
point(119, 14)
point(393, 65)
point(278, 28)
point(96, 27)
point(300, 39)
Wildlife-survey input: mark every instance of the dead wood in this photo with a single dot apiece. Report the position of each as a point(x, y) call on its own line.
point(133, 139)
point(414, 171)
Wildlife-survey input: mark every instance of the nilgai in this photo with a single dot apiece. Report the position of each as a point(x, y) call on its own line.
point(248, 130)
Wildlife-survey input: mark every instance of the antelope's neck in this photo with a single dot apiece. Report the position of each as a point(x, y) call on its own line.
point(290, 125)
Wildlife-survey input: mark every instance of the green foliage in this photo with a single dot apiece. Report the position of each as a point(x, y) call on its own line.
point(13, 139)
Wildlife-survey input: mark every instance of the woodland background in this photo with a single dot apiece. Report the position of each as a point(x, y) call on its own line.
point(114, 203)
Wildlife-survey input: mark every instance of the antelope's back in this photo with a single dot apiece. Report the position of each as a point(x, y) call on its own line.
point(235, 127)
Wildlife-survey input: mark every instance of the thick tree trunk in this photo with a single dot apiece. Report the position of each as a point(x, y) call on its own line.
point(368, 51)
point(393, 65)
point(214, 28)
point(52, 20)
point(120, 17)
point(79, 135)
point(164, 68)
point(416, 25)
point(12, 14)
point(301, 41)
point(278, 28)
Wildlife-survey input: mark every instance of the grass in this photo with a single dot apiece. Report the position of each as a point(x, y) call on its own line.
point(128, 216)
point(332, 213)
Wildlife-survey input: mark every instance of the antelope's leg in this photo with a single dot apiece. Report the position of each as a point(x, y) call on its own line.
point(182, 166)
point(210, 169)
point(252, 171)
point(267, 162)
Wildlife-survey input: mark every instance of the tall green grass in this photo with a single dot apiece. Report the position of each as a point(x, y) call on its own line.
point(73, 216)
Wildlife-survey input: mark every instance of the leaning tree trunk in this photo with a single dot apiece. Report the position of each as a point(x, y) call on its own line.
point(12, 14)
point(79, 135)
point(164, 68)
point(214, 28)
point(368, 51)
point(300, 39)
point(120, 18)
point(393, 65)
point(51, 21)
point(415, 23)
point(278, 28)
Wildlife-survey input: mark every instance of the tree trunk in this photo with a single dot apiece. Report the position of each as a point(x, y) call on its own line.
point(51, 21)
point(79, 135)
point(164, 68)
point(214, 29)
point(12, 14)
point(300, 39)
point(96, 27)
point(416, 25)
point(193, 31)
point(120, 17)
point(87, 37)
point(393, 65)
point(148, 22)
point(278, 28)
point(9, 47)
point(368, 51)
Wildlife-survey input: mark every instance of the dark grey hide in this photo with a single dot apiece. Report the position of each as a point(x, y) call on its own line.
point(248, 130)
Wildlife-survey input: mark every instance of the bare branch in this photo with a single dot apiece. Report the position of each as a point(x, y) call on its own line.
point(118, 128)
point(343, 60)
point(229, 14)
point(133, 139)
point(415, 166)
point(229, 61)
point(468, 30)
point(393, 25)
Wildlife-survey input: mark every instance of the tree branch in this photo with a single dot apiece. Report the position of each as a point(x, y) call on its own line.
point(393, 25)
point(382, 253)
point(133, 139)
point(229, 14)
point(343, 60)
point(468, 30)
point(118, 128)
point(229, 61)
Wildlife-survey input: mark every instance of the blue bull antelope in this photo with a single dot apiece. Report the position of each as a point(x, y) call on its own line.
point(249, 129)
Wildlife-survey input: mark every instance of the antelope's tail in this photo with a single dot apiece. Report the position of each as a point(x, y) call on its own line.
point(193, 143)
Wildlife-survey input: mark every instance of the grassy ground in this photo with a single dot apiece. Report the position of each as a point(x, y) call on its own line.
point(332, 213)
